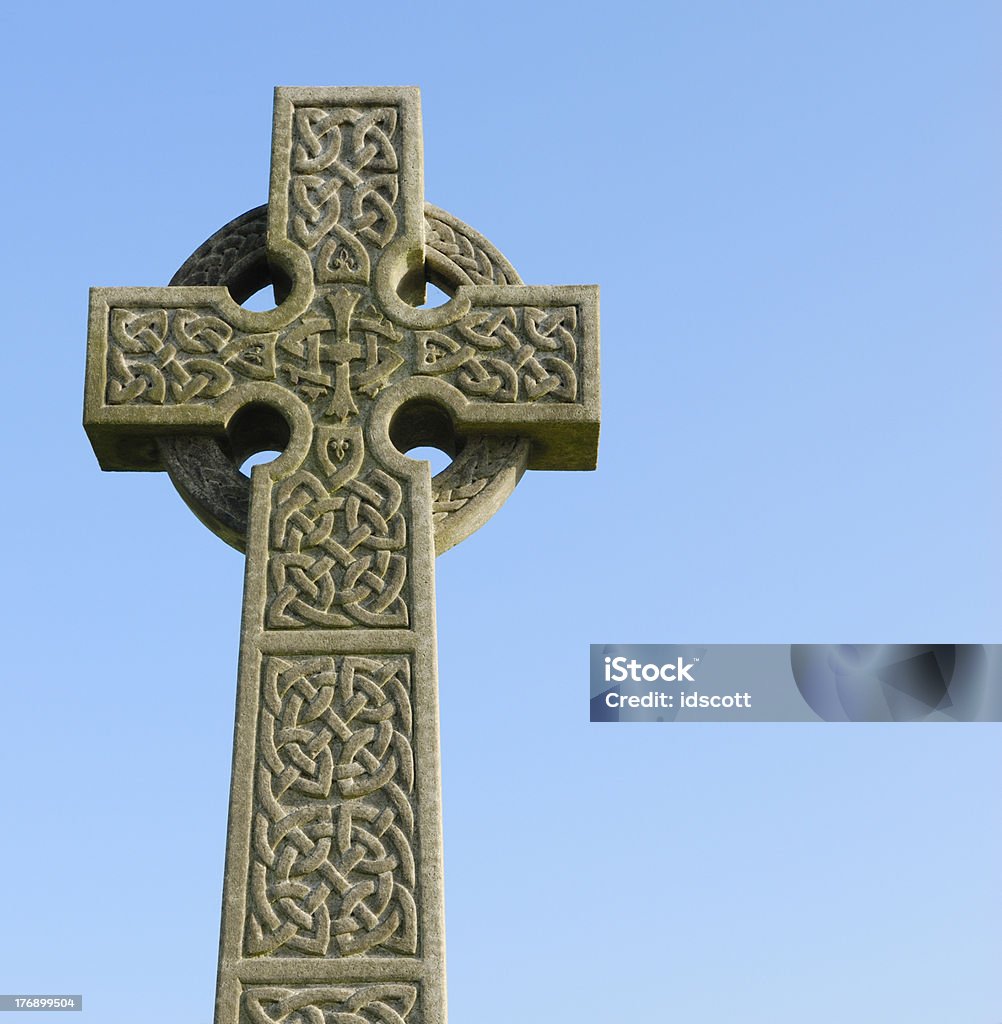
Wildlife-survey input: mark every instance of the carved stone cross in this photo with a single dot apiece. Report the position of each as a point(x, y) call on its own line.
point(332, 905)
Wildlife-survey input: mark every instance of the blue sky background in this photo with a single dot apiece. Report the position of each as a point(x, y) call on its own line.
point(793, 213)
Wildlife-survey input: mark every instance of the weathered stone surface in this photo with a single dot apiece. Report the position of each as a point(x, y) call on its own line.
point(332, 903)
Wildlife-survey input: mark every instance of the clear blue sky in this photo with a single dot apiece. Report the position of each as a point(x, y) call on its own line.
point(793, 213)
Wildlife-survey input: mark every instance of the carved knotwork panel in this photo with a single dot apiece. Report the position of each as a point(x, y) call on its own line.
point(391, 1003)
point(507, 354)
point(180, 356)
point(341, 353)
point(333, 856)
point(344, 187)
point(339, 552)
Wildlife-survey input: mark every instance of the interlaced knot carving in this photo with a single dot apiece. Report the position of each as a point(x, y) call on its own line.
point(338, 558)
point(473, 258)
point(343, 188)
point(461, 482)
point(333, 860)
point(391, 1003)
point(506, 354)
point(172, 356)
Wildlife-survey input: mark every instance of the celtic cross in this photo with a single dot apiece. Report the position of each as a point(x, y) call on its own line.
point(332, 904)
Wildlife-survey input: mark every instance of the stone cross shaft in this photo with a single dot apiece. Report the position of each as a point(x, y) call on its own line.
point(332, 904)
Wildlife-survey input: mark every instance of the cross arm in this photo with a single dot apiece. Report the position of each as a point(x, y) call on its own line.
point(525, 359)
point(169, 360)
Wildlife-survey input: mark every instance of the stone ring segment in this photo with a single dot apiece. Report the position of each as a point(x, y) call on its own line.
point(465, 494)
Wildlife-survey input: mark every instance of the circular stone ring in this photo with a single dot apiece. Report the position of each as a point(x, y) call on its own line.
point(465, 494)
